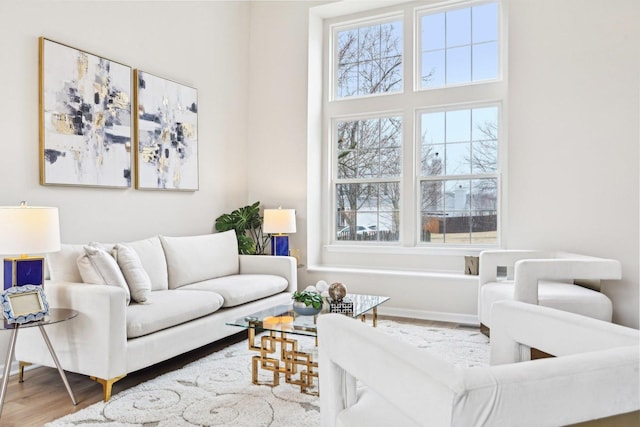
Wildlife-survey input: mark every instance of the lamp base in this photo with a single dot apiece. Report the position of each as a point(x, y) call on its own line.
point(280, 245)
point(20, 271)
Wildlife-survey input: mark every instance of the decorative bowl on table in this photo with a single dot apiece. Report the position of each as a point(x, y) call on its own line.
point(308, 302)
point(305, 310)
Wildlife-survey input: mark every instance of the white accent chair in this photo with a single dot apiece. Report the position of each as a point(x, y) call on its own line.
point(545, 278)
point(368, 378)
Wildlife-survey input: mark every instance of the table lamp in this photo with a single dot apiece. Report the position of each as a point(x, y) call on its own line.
point(27, 229)
point(277, 222)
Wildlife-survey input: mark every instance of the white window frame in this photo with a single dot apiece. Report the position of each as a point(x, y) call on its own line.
point(482, 93)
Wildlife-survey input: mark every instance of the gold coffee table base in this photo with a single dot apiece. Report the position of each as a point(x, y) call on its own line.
point(297, 366)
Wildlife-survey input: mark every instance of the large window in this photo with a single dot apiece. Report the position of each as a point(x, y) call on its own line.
point(415, 148)
point(458, 181)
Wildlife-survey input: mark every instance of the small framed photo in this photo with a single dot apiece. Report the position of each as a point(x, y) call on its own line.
point(21, 304)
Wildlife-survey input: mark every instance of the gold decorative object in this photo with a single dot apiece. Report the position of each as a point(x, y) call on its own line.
point(297, 366)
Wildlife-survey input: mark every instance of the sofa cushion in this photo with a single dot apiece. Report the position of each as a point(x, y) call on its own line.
point(137, 278)
point(558, 295)
point(169, 308)
point(62, 265)
point(242, 288)
point(153, 260)
point(193, 259)
point(97, 266)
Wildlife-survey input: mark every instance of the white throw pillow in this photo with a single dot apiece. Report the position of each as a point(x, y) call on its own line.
point(134, 273)
point(98, 267)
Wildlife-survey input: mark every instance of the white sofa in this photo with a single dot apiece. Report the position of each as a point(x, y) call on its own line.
point(377, 380)
point(550, 279)
point(197, 284)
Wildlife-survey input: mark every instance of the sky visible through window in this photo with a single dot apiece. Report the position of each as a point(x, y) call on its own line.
point(459, 46)
point(457, 164)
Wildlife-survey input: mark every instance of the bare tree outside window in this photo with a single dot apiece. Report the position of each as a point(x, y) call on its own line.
point(368, 151)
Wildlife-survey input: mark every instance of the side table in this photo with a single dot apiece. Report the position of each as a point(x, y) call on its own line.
point(56, 315)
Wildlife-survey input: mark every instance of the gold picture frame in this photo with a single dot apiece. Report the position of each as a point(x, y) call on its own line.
point(85, 118)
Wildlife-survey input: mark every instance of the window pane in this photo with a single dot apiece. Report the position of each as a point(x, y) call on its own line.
point(458, 65)
point(433, 159)
point(485, 124)
point(432, 30)
point(433, 128)
point(369, 60)
point(433, 70)
point(485, 61)
point(484, 132)
point(484, 22)
point(458, 160)
point(368, 211)
point(432, 196)
point(484, 203)
point(458, 27)
point(458, 125)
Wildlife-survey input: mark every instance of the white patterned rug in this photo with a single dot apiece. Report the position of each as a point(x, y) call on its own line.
point(217, 390)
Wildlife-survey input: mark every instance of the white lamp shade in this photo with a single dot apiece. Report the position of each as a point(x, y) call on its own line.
point(29, 230)
point(278, 221)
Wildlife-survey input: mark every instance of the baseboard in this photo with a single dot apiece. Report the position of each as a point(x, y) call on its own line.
point(439, 316)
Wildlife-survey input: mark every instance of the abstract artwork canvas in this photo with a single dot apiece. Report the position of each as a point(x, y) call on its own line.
point(85, 118)
point(166, 134)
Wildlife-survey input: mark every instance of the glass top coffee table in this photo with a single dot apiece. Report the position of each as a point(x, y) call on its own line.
point(280, 321)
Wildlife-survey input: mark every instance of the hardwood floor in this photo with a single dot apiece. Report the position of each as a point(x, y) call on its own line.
point(42, 397)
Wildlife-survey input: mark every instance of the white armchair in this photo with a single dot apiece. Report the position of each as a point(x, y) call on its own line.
point(545, 278)
point(368, 378)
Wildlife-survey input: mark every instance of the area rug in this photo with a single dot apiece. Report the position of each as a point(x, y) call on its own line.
point(217, 390)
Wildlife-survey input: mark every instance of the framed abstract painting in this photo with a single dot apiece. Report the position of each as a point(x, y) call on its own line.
point(85, 118)
point(166, 129)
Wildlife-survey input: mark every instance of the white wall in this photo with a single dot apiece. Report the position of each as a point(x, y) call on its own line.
point(573, 136)
point(574, 70)
point(204, 45)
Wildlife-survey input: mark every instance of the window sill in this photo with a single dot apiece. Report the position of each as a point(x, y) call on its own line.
point(404, 250)
point(457, 275)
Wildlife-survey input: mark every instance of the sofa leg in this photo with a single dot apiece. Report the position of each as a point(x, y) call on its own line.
point(21, 366)
point(107, 384)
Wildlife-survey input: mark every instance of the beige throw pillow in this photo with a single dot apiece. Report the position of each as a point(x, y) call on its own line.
point(136, 276)
point(99, 267)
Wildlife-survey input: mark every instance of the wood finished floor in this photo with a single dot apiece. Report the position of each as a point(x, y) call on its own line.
point(42, 397)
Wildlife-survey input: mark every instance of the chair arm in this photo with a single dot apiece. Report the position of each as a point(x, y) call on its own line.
point(517, 326)
point(529, 271)
point(420, 384)
point(491, 260)
point(93, 343)
point(284, 266)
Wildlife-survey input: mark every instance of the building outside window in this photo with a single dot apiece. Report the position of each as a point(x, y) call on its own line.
point(414, 104)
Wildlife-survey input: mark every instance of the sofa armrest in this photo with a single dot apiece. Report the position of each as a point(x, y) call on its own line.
point(491, 260)
point(568, 267)
point(93, 343)
point(517, 326)
point(419, 384)
point(284, 266)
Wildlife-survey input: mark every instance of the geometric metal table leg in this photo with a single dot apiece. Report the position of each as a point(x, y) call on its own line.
point(7, 365)
point(57, 362)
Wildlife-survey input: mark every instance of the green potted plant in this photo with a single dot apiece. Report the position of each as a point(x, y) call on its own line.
point(307, 303)
point(247, 223)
